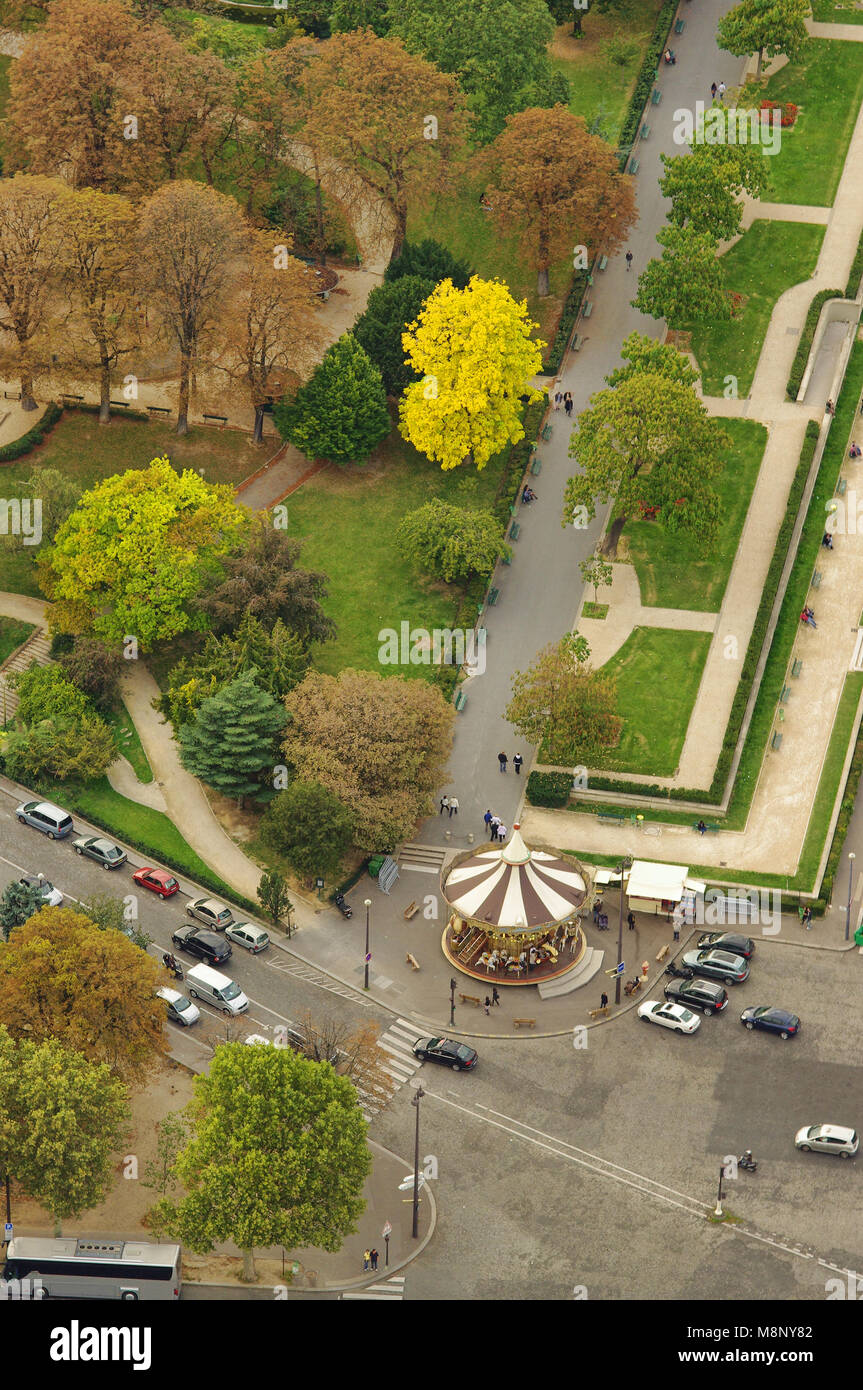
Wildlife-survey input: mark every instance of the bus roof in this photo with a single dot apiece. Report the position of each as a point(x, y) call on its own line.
point(92, 1248)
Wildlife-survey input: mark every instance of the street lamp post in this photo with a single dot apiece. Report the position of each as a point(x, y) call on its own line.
point(367, 905)
point(418, 1095)
point(451, 1003)
point(851, 857)
point(624, 865)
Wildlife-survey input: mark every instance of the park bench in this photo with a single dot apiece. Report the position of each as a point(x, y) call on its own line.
point(493, 597)
point(632, 986)
point(506, 559)
point(660, 956)
point(536, 466)
point(603, 262)
point(816, 580)
point(119, 405)
point(796, 667)
point(604, 1009)
point(841, 486)
point(470, 999)
point(776, 741)
point(708, 829)
point(619, 817)
point(412, 961)
point(633, 166)
point(645, 130)
point(220, 420)
point(410, 912)
point(460, 700)
point(514, 531)
point(159, 409)
point(679, 26)
point(784, 693)
point(524, 1022)
point(67, 396)
point(577, 342)
point(587, 308)
point(546, 432)
point(780, 714)
point(656, 97)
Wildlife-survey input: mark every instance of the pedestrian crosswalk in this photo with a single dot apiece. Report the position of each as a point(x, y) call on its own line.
point(392, 1288)
point(396, 1066)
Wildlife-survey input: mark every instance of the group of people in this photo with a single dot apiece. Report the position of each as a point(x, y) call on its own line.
point(528, 494)
point(669, 57)
point(449, 803)
point(370, 1259)
point(563, 399)
point(717, 91)
point(495, 827)
point(827, 541)
point(808, 617)
point(502, 761)
point(514, 965)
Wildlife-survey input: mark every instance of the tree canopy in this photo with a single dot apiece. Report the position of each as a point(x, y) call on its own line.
point(260, 577)
point(451, 542)
point(765, 26)
point(311, 827)
point(341, 413)
point(561, 703)
point(687, 283)
point(231, 741)
point(391, 307)
point(428, 260)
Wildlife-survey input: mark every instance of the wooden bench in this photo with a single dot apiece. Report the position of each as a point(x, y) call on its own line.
point(514, 531)
point(604, 1009)
point(460, 700)
point(708, 829)
point(587, 309)
point(645, 130)
point(119, 405)
point(633, 166)
point(577, 342)
point(815, 582)
point(796, 667)
point(493, 595)
point(410, 912)
point(470, 999)
point(618, 817)
point(220, 420)
point(412, 961)
point(603, 262)
point(524, 1022)
point(546, 433)
point(776, 741)
point(781, 714)
point(784, 693)
point(679, 26)
point(159, 409)
point(632, 986)
point(536, 466)
point(506, 559)
point(841, 486)
point(656, 97)
point(664, 952)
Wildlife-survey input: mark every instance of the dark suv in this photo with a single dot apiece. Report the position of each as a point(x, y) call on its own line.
point(207, 945)
point(706, 995)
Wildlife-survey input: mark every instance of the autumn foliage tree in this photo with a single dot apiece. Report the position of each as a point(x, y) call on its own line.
point(560, 702)
point(475, 355)
point(557, 184)
point(28, 247)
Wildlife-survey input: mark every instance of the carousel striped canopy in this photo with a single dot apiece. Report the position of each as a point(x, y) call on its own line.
point(515, 889)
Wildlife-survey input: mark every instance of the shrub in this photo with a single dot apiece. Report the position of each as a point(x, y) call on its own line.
point(549, 788)
point(28, 441)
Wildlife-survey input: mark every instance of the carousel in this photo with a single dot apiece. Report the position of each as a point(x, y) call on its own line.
point(513, 913)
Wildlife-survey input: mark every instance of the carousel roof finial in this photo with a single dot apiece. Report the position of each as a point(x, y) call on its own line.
point(516, 852)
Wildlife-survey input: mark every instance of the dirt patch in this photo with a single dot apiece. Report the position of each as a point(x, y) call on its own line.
point(227, 1269)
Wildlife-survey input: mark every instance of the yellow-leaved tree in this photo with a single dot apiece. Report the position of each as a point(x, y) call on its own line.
point(474, 350)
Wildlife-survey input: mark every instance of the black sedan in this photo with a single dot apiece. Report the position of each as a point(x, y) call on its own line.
point(707, 995)
point(448, 1053)
point(727, 941)
point(199, 942)
point(772, 1021)
point(105, 852)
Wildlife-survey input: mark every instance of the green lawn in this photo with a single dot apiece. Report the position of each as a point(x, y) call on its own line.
point(12, 634)
point(836, 12)
point(767, 260)
point(671, 573)
point(828, 88)
point(347, 519)
point(600, 83)
point(128, 742)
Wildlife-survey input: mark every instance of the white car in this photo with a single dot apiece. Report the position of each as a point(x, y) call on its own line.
point(672, 1016)
point(255, 939)
point(827, 1139)
point(213, 914)
point(51, 895)
point(180, 1009)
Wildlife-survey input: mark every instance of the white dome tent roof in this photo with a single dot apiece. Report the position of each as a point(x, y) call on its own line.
point(515, 889)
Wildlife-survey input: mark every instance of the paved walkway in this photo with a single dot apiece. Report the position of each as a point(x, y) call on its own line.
point(626, 612)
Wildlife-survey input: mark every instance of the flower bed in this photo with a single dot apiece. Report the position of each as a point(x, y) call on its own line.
point(789, 111)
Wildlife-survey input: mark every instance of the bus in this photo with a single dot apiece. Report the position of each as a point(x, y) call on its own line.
point(90, 1268)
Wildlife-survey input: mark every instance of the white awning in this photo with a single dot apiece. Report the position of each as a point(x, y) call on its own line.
point(657, 882)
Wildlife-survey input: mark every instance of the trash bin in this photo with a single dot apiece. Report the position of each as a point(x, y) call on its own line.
point(375, 864)
point(858, 936)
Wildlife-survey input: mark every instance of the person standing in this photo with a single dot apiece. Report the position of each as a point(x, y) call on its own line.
point(628, 259)
point(558, 398)
point(604, 1002)
point(444, 804)
point(517, 762)
point(502, 831)
point(453, 806)
point(495, 995)
point(807, 917)
point(492, 827)
point(721, 91)
point(713, 90)
point(631, 922)
point(567, 402)
point(502, 760)
point(374, 1255)
point(486, 1005)
point(487, 818)
point(367, 1259)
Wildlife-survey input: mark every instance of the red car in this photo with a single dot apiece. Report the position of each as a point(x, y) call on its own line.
point(158, 881)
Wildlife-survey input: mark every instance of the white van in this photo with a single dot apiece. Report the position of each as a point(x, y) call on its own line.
point(204, 983)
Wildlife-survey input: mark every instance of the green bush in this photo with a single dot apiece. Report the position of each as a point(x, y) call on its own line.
point(568, 316)
point(121, 412)
point(646, 78)
point(801, 356)
point(549, 788)
point(28, 441)
point(856, 272)
point(846, 810)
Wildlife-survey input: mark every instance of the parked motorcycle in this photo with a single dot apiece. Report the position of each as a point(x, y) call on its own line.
point(171, 963)
point(344, 907)
point(747, 1162)
point(680, 972)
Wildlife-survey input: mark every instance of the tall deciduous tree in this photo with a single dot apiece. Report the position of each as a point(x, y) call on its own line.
point(261, 577)
point(28, 248)
point(265, 115)
point(275, 899)
point(390, 309)
point(63, 115)
point(474, 352)
point(648, 442)
point(765, 26)
point(62, 1120)
point(379, 744)
point(135, 553)
point(558, 184)
point(341, 413)
point(231, 743)
point(98, 263)
point(451, 542)
point(61, 977)
point(190, 238)
point(58, 496)
point(389, 116)
point(687, 283)
point(643, 354)
point(95, 669)
point(279, 655)
point(561, 702)
point(359, 14)
point(60, 750)
point(271, 320)
point(704, 186)
point(277, 1155)
point(310, 826)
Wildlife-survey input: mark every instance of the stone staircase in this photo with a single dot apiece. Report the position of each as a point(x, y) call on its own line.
point(35, 649)
point(422, 859)
point(584, 970)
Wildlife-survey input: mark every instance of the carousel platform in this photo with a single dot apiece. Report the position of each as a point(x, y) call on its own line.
point(569, 957)
point(579, 974)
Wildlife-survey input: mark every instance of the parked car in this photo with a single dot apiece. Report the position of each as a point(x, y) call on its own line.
point(52, 820)
point(255, 939)
point(828, 1139)
point(771, 1020)
point(706, 995)
point(718, 965)
point(448, 1053)
point(199, 942)
point(213, 914)
point(672, 1016)
point(105, 852)
point(52, 896)
point(158, 881)
point(180, 1009)
point(727, 941)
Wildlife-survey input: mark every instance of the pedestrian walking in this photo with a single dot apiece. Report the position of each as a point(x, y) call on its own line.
point(487, 818)
point(492, 827)
point(558, 399)
point(567, 402)
point(502, 761)
point(375, 1258)
point(487, 1004)
point(367, 1259)
point(713, 90)
point(631, 922)
point(495, 995)
point(604, 1002)
point(831, 409)
point(807, 917)
point(453, 806)
point(502, 831)
point(628, 260)
point(721, 91)
point(517, 762)
point(444, 804)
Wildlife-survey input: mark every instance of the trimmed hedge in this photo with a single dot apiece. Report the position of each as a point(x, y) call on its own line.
point(846, 810)
point(549, 788)
point(566, 323)
point(28, 441)
point(801, 356)
point(117, 412)
point(646, 79)
point(856, 272)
